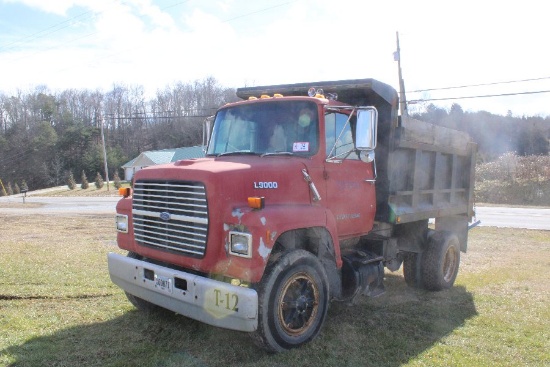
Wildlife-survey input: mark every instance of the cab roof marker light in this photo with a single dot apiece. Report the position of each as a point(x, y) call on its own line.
point(277, 95)
point(251, 98)
point(264, 96)
point(317, 93)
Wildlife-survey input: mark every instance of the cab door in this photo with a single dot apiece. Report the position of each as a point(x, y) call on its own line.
point(350, 190)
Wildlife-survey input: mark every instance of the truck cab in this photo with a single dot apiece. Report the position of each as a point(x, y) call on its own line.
point(305, 194)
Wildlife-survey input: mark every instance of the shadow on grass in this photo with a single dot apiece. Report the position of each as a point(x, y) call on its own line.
point(386, 331)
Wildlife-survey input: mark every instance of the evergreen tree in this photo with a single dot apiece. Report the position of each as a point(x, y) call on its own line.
point(98, 181)
point(71, 182)
point(16, 189)
point(85, 184)
point(3, 191)
point(10, 189)
point(116, 181)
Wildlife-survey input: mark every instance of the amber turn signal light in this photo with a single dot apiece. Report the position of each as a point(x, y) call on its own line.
point(256, 202)
point(125, 191)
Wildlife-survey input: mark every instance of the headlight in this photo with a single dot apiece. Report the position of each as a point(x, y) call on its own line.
point(240, 244)
point(121, 223)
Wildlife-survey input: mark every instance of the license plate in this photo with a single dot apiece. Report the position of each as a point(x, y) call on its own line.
point(163, 283)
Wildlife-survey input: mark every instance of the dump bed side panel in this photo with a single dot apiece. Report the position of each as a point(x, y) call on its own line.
point(431, 170)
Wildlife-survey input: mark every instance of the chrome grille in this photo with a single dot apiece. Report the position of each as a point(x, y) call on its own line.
point(171, 215)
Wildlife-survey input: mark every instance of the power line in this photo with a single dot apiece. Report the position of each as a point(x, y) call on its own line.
point(480, 85)
point(174, 5)
point(44, 32)
point(164, 114)
point(480, 96)
point(66, 26)
point(54, 47)
point(153, 117)
point(259, 11)
point(40, 33)
point(124, 51)
point(164, 8)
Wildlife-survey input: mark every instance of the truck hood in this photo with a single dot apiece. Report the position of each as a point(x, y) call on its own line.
point(235, 178)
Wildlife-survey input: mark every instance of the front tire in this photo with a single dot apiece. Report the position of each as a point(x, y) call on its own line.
point(293, 301)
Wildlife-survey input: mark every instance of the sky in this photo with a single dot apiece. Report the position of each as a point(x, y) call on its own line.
point(484, 47)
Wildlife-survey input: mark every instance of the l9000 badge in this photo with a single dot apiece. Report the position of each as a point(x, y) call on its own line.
point(266, 185)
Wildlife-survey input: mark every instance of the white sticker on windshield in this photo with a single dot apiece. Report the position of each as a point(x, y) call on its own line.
point(300, 146)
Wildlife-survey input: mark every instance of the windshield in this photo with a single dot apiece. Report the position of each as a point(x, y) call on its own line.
point(266, 128)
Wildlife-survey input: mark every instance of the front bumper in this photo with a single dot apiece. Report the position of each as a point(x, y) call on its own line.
point(203, 299)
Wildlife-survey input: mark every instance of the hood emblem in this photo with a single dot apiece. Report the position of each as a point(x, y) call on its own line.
point(165, 216)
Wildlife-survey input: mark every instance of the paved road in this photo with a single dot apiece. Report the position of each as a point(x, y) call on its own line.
point(530, 218)
point(58, 205)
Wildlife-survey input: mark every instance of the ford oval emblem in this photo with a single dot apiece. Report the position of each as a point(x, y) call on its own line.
point(165, 216)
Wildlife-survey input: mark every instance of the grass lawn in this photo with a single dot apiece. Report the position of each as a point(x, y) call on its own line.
point(59, 308)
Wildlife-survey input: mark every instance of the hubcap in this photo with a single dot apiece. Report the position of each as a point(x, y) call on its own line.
point(449, 264)
point(298, 304)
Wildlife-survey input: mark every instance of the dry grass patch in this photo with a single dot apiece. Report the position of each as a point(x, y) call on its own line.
point(92, 191)
point(19, 204)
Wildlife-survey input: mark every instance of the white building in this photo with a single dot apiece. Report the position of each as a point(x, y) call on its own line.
point(154, 157)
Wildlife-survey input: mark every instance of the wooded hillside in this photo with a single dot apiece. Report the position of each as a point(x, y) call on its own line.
point(494, 134)
point(45, 136)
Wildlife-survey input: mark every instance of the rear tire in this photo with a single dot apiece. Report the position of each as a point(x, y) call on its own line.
point(292, 301)
point(440, 262)
point(412, 269)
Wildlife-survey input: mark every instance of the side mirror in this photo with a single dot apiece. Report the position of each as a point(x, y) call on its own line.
point(367, 122)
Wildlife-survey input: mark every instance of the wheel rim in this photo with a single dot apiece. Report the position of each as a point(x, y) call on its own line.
point(449, 264)
point(298, 304)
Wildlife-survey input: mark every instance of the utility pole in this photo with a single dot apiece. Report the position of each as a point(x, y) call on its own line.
point(104, 152)
point(402, 98)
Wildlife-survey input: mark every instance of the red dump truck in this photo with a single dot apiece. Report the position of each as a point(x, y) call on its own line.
point(306, 193)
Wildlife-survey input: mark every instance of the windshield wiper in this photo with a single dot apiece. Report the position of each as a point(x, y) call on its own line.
point(276, 153)
point(238, 152)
